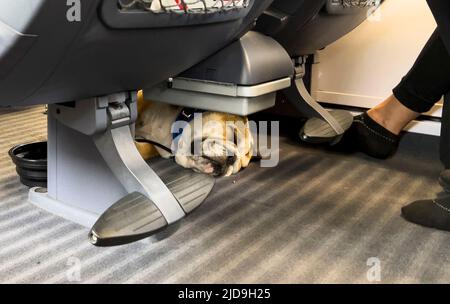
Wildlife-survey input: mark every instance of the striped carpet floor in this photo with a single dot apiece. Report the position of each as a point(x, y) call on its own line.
point(318, 217)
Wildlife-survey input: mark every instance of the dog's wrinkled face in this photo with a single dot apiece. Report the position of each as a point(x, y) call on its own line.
point(215, 143)
point(212, 143)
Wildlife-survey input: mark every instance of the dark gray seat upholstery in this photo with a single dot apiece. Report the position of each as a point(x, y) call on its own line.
point(44, 58)
point(305, 26)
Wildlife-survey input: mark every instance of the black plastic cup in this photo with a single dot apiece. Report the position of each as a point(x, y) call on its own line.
point(31, 163)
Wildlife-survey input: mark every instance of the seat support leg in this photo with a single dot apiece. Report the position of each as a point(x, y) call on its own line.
point(98, 178)
point(119, 151)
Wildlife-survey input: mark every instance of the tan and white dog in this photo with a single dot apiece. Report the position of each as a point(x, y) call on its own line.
point(225, 141)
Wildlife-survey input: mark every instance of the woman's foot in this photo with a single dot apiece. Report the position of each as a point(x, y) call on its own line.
point(429, 213)
point(377, 132)
point(368, 136)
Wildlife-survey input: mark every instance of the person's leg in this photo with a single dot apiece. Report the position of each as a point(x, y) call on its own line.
point(376, 132)
point(425, 84)
point(436, 213)
point(428, 80)
point(392, 114)
point(441, 12)
point(444, 178)
point(445, 133)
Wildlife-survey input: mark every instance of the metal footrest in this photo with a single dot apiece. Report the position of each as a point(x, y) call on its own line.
point(322, 126)
point(136, 217)
point(131, 199)
point(151, 203)
point(317, 130)
point(188, 187)
point(132, 218)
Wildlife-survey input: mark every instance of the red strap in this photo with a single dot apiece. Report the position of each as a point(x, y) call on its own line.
point(180, 4)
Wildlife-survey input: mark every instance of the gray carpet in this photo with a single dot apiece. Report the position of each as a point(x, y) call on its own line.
point(316, 218)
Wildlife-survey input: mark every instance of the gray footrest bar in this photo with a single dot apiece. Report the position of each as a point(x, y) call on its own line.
point(98, 179)
point(323, 126)
point(317, 130)
point(132, 218)
point(119, 151)
point(188, 187)
point(154, 201)
point(136, 217)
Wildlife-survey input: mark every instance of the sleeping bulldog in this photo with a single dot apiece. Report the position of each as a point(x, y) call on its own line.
point(213, 143)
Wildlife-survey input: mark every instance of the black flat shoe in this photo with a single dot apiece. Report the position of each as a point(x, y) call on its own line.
point(429, 213)
point(367, 136)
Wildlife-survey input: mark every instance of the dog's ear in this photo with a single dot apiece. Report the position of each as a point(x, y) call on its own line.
point(243, 139)
point(147, 151)
point(142, 104)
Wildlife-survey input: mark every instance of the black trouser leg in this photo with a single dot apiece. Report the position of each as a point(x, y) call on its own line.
point(445, 133)
point(434, 213)
point(441, 12)
point(429, 78)
point(426, 83)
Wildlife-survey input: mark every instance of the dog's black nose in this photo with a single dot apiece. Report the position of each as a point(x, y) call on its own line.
point(230, 160)
point(221, 166)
